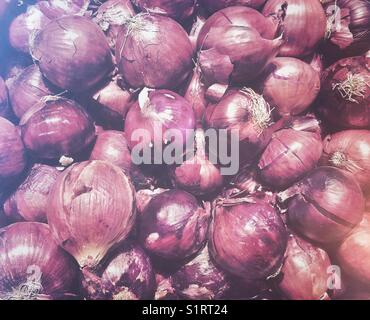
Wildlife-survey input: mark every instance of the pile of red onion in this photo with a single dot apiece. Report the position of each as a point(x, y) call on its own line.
point(185, 149)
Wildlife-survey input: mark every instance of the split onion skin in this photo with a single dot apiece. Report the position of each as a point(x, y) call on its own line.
point(307, 265)
point(37, 251)
point(91, 208)
point(325, 205)
point(350, 150)
point(72, 53)
point(30, 200)
point(154, 51)
point(27, 89)
point(173, 226)
point(55, 128)
point(290, 85)
point(299, 16)
point(12, 151)
point(247, 239)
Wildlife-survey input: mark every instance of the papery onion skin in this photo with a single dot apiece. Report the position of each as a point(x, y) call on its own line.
point(111, 15)
point(54, 9)
point(350, 150)
point(248, 239)
point(291, 153)
point(159, 108)
point(165, 289)
point(5, 110)
point(198, 23)
point(37, 255)
point(175, 9)
point(154, 51)
point(197, 175)
point(242, 17)
point(353, 253)
point(306, 265)
point(215, 5)
point(55, 128)
point(290, 85)
point(12, 150)
point(27, 89)
point(201, 279)
point(144, 196)
point(91, 208)
point(344, 100)
point(326, 205)
point(29, 201)
point(302, 36)
point(173, 226)
point(236, 54)
point(72, 53)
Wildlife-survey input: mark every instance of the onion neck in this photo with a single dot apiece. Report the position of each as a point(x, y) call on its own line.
point(289, 193)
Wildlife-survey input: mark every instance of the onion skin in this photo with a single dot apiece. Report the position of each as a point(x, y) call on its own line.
point(157, 56)
point(306, 265)
point(144, 196)
point(27, 89)
point(235, 54)
point(200, 279)
point(298, 20)
point(215, 5)
point(176, 9)
point(291, 153)
point(290, 85)
point(349, 150)
point(5, 110)
point(24, 26)
point(326, 205)
point(353, 253)
point(36, 251)
point(247, 238)
point(159, 107)
point(12, 150)
point(173, 226)
point(197, 175)
point(342, 108)
point(55, 128)
point(241, 17)
point(72, 53)
point(54, 9)
point(111, 15)
point(91, 208)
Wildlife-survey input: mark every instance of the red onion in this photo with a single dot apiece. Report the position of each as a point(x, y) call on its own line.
point(173, 226)
point(291, 153)
point(195, 94)
point(165, 289)
point(16, 63)
point(12, 151)
point(5, 110)
point(304, 25)
point(31, 263)
point(350, 150)
point(326, 205)
point(91, 208)
point(197, 174)
point(195, 29)
point(73, 53)
point(54, 9)
point(175, 9)
point(144, 196)
point(30, 200)
point(153, 51)
point(345, 96)
point(111, 16)
point(221, 60)
point(348, 27)
point(353, 254)
point(200, 279)
point(25, 26)
point(27, 89)
point(247, 238)
point(155, 109)
point(307, 266)
point(290, 85)
point(127, 275)
point(57, 127)
point(242, 17)
point(215, 5)
point(248, 113)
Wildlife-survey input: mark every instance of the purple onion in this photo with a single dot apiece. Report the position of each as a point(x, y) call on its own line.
point(5, 110)
point(215, 5)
